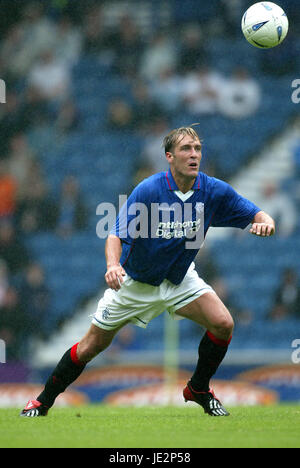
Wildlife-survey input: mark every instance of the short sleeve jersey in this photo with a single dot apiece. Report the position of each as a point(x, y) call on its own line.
point(162, 229)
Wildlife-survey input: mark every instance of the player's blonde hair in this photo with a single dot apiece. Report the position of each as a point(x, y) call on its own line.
point(172, 138)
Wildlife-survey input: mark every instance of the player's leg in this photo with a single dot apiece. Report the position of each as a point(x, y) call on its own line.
point(94, 342)
point(210, 312)
point(69, 368)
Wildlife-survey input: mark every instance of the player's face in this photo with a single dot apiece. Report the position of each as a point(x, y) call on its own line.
point(185, 157)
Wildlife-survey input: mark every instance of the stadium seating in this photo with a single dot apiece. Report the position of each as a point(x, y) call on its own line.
point(74, 269)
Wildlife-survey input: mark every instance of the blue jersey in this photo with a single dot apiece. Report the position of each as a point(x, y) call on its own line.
point(163, 229)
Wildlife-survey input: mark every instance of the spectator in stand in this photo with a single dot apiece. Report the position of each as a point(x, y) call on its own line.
point(68, 41)
point(286, 302)
point(8, 192)
point(68, 117)
point(96, 40)
point(153, 158)
point(166, 90)
point(75, 10)
point(281, 207)
point(34, 34)
point(36, 211)
point(20, 162)
point(12, 250)
point(51, 77)
point(201, 90)
point(240, 96)
point(229, 14)
point(93, 33)
point(11, 44)
point(120, 115)
point(192, 52)
point(11, 122)
point(33, 110)
point(36, 300)
point(128, 46)
point(144, 109)
point(159, 55)
point(72, 213)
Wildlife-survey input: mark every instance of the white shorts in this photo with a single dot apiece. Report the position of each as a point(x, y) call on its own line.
point(139, 303)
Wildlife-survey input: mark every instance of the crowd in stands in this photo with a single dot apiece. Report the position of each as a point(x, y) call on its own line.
point(39, 47)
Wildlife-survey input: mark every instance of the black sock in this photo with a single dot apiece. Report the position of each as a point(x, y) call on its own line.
point(211, 353)
point(66, 372)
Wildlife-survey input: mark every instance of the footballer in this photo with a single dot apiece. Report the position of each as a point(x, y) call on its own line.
point(154, 272)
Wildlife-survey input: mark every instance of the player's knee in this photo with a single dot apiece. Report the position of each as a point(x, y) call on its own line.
point(223, 328)
point(89, 349)
point(228, 325)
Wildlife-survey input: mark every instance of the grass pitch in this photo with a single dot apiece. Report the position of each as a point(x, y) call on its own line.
point(99, 426)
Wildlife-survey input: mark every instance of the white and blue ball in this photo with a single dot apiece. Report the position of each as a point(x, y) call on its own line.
point(265, 25)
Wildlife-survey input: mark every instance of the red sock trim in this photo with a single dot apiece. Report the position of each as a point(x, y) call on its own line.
point(74, 355)
point(218, 341)
point(200, 393)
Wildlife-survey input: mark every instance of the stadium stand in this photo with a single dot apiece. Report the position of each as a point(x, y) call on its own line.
point(79, 140)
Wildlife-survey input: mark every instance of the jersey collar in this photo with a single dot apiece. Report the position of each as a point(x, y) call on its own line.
point(171, 184)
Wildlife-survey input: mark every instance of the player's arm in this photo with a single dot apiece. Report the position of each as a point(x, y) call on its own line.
point(262, 225)
point(115, 272)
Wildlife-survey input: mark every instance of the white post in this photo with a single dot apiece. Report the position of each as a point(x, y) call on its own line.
point(171, 358)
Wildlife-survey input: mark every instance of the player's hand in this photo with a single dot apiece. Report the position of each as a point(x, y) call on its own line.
point(114, 277)
point(262, 229)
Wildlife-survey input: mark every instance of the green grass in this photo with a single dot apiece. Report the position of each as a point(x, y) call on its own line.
point(167, 427)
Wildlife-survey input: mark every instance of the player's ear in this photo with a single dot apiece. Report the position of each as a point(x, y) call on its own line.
point(169, 156)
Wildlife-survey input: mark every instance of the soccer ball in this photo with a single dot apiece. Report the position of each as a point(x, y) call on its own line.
point(265, 25)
